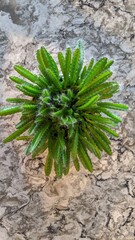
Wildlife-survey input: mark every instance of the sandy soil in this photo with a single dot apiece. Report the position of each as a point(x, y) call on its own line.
point(81, 206)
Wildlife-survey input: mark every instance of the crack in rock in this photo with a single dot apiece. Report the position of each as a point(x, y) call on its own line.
point(92, 4)
point(127, 220)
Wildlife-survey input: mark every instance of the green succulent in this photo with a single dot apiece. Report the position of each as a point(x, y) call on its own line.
point(66, 112)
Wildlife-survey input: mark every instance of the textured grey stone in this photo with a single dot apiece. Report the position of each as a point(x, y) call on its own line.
point(98, 206)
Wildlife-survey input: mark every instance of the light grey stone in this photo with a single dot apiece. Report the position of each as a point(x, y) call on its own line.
point(97, 206)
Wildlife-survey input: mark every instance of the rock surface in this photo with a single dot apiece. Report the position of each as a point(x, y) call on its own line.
point(81, 206)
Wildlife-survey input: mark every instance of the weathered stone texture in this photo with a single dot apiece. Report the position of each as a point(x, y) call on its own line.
point(81, 206)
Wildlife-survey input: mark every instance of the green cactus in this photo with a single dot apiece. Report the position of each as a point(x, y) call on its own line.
point(66, 112)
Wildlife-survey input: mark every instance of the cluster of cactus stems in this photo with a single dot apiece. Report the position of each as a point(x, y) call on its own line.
point(66, 111)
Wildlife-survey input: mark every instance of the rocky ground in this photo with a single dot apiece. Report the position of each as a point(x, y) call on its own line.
point(80, 206)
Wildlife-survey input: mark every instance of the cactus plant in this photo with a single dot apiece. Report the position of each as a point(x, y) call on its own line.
point(65, 110)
